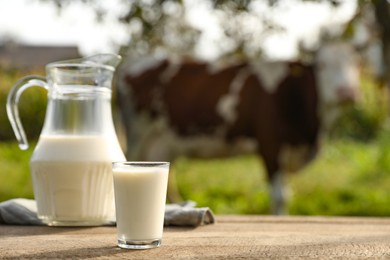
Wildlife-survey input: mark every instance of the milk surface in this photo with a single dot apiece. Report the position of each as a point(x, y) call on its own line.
point(140, 196)
point(72, 179)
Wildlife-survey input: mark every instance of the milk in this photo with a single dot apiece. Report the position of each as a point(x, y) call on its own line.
point(72, 179)
point(140, 195)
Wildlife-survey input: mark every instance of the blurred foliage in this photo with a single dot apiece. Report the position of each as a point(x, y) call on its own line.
point(15, 180)
point(349, 178)
point(364, 120)
point(159, 25)
point(244, 26)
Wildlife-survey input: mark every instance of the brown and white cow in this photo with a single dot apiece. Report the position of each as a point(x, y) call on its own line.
point(197, 109)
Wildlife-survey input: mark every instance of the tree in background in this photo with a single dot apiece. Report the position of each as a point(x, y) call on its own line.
point(382, 15)
point(160, 25)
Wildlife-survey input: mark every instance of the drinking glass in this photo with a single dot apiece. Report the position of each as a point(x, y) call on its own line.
point(140, 195)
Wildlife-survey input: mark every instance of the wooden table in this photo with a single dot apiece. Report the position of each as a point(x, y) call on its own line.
point(245, 237)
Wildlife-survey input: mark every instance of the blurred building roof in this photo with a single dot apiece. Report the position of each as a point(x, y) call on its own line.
point(34, 56)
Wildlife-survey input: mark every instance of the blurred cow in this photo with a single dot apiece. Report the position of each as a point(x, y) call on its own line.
point(196, 109)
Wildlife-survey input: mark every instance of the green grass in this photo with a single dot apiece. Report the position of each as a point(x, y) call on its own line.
point(15, 178)
point(235, 185)
point(347, 178)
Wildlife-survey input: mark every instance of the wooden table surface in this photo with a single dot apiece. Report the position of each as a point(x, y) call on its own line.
point(245, 237)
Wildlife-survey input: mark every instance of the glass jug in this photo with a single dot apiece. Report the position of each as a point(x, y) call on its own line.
point(71, 163)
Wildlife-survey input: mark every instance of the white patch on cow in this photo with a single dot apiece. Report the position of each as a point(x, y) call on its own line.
point(227, 104)
point(226, 107)
point(337, 71)
point(221, 64)
point(374, 58)
point(338, 76)
point(138, 66)
point(278, 194)
point(170, 71)
point(270, 74)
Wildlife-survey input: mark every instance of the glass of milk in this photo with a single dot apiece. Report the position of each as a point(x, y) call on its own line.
point(140, 194)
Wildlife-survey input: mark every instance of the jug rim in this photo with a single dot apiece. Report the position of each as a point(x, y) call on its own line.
point(86, 62)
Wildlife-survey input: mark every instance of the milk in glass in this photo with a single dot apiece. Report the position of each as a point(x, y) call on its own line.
point(140, 194)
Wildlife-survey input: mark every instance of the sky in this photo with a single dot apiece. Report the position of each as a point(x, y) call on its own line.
point(34, 22)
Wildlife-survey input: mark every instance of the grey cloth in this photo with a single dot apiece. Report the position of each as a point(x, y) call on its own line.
point(187, 215)
point(24, 212)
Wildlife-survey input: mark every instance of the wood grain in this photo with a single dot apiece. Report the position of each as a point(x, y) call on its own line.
point(232, 237)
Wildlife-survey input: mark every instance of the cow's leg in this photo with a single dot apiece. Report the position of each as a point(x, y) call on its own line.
point(278, 194)
point(275, 180)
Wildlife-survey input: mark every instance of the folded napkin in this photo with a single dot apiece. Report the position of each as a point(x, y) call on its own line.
point(24, 212)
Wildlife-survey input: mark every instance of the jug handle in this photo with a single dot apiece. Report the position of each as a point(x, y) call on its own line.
point(12, 105)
